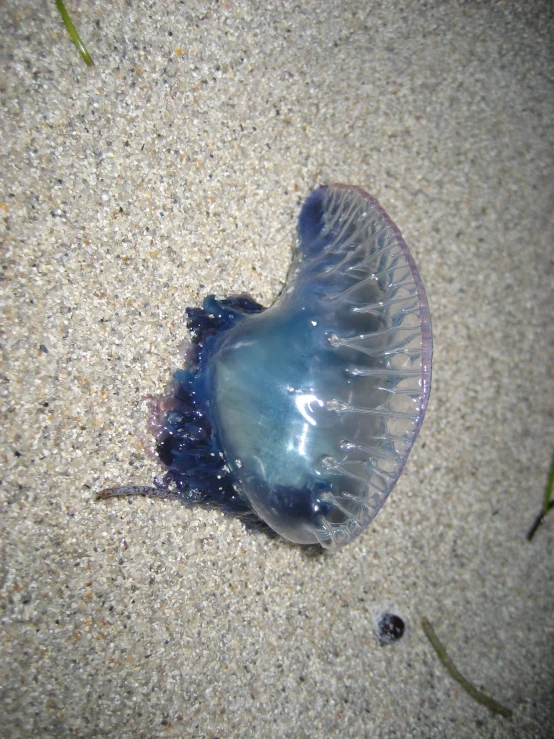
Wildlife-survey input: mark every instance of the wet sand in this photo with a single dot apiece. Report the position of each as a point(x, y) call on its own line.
point(176, 167)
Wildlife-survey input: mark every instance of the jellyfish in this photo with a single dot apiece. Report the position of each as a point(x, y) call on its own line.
point(300, 417)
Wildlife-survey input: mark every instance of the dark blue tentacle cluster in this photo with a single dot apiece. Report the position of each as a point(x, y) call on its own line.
point(188, 447)
point(218, 315)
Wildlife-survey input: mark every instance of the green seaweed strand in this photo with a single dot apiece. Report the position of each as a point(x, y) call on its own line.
point(547, 502)
point(74, 34)
point(491, 704)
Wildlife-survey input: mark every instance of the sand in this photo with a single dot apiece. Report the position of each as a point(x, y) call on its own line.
point(176, 167)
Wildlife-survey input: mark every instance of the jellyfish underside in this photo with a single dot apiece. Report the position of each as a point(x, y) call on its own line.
point(302, 415)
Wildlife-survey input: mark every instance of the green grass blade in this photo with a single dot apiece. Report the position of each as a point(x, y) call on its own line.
point(74, 34)
point(547, 502)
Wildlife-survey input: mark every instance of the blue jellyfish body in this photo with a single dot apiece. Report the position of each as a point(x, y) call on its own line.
point(303, 414)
